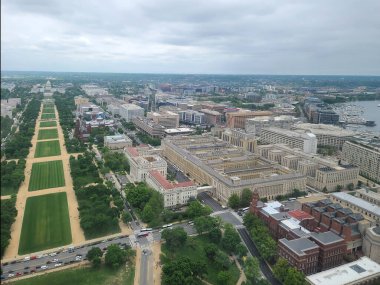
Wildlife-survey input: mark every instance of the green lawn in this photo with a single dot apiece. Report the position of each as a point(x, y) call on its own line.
point(48, 148)
point(48, 110)
point(194, 249)
point(47, 116)
point(46, 223)
point(46, 175)
point(48, 124)
point(48, 134)
point(82, 276)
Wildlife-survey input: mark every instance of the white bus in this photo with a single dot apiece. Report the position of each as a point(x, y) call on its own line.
point(146, 230)
point(167, 226)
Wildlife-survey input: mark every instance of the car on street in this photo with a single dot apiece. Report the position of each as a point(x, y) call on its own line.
point(43, 267)
point(57, 264)
point(10, 275)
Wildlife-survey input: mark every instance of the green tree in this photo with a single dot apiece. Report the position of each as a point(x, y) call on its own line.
point(234, 201)
point(196, 209)
point(246, 197)
point(211, 251)
point(126, 217)
point(223, 277)
point(215, 235)
point(94, 253)
point(147, 214)
point(204, 224)
point(338, 188)
point(115, 256)
point(294, 277)
point(351, 186)
point(230, 239)
point(280, 269)
point(324, 190)
point(252, 269)
point(222, 259)
point(174, 238)
point(241, 250)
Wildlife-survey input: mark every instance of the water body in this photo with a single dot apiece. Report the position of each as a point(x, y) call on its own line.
point(371, 113)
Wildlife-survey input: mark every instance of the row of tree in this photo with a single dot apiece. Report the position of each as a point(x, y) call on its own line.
point(97, 217)
point(8, 216)
point(260, 234)
point(148, 203)
point(114, 257)
point(115, 161)
point(12, 174)
point(268, 250)
point(18, 146)
point(148, 139)
point(83, 170)
point(6, 126)
point(65, 106)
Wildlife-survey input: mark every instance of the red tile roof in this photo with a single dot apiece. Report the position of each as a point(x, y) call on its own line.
point(133, 151)
point(300, 215)
point(166, 184)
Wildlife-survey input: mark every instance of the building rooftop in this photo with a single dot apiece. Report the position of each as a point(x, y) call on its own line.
point(350, 273)
point(300, 215)
point(326, 237)
point(323, 129)
point(290, 133)
point(300, 245)
point(117, 139)
point(372, 208)
point(167, 185)
point(292, 224)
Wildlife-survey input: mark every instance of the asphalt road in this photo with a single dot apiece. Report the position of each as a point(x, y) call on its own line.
point(146, 257)
point(206, 199)
point(253, 250)
point(64, 256)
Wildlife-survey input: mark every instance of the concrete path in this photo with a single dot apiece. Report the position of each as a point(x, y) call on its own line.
point(23, 193)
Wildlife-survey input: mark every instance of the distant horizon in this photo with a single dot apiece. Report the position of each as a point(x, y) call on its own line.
point(183, 73)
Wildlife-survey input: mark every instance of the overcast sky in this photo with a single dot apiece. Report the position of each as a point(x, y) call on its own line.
point(186, 36)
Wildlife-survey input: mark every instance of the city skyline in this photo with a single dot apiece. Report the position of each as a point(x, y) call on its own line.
point(192, 38)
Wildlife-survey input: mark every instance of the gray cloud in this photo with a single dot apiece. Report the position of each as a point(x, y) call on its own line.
point(214, 36)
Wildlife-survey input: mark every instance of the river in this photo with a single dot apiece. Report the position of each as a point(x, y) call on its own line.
point(371, 113)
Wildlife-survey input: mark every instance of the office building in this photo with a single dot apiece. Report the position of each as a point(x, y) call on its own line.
point(227, 168)
point(166, 119)
point(370, 210)
point(149, 127)
point(255, 125)
point(301, 253)
point(371, 243)
point(307, 142)
point(320, 172)
point(236, 137)
point(365, 157)
point(142, 160)
point(327, 135)
point(117, 142)
point(237, 120)
point(369, 196)
point(130, 111)
point(361, 271)
point(174, 194)
point(212, 117)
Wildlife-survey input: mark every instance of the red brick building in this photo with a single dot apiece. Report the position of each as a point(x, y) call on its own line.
point(301, 253)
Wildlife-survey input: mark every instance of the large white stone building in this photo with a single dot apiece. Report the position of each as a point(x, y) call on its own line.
point(320, 172)
point(255, 125)
point(143, 159)
point(229, 169)
point(117, 142)
point(367, 158)
point(371, 243)
point(130, 111)
point(175, 194)
point(327, 135)
point(307, 142)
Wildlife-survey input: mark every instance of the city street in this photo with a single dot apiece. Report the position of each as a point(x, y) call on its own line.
point(67, 255)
